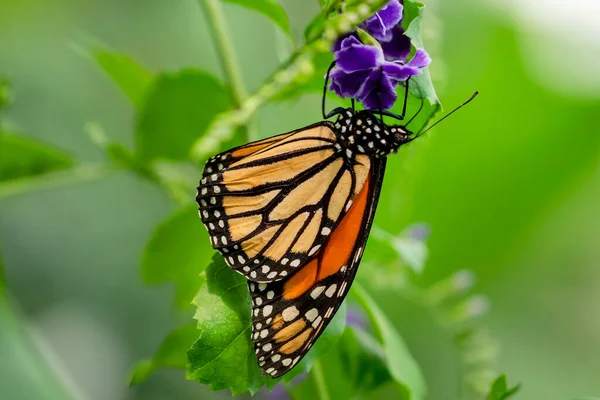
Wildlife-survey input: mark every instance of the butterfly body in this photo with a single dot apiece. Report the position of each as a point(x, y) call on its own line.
point(363, 132)
point(292, 213)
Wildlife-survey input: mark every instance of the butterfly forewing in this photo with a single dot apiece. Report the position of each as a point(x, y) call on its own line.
point(270, 206)
point(288, 316)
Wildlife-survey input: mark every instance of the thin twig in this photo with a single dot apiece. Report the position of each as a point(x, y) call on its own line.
point(320, 381)
point(227, 58)
point(79, 174)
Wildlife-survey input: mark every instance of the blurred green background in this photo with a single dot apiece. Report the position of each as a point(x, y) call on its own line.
point(510, 187)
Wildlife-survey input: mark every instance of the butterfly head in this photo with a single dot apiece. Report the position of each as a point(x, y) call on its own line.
point(365, 132)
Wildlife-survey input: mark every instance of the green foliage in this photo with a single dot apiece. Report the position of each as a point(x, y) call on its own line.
point(178, 109)
point(353, 368)
point(178, 252)
point(171, 353)
point(190, 109)
point(413, 19)
point(131, 77)
point(500, 390)
point(223, 356)
point(270, 9)
point(22, 157)
point(402, 366)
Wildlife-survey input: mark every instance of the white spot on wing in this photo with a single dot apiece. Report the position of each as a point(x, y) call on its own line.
point(314, 250)
point(316, 292)
point(311, 314)
point(331, 290)
point(290, 313)
point(267, 310)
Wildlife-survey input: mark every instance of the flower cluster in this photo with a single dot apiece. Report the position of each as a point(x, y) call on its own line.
point(371, 72)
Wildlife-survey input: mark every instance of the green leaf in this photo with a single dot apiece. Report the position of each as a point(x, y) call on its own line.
point(131, 77)
point(268, 8)
point(402, 367)
point(500, 390)
point(22, 157)
point(365, 361)
point(413, 15)
point(315, 28)
point(178, 109)
point(223, 357)
point(355, 367)
point(178, 252)
point(171, 353)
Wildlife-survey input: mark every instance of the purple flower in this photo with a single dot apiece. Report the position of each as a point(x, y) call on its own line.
point(398, 47)
point(363, 72)
point(356, 318)
point(419, 231)
point(381, 24)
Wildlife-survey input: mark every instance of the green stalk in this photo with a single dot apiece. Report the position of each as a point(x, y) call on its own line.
point(320, 382)
point(27, 358)
point(78, 174)
point(227, 58)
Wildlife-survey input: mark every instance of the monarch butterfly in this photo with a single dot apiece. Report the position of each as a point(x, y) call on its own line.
point(292, 213)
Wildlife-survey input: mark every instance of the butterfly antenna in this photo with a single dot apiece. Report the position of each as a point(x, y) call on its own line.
point(325, 89)
point(405, 98)
point(424, 130)
point(420, 107)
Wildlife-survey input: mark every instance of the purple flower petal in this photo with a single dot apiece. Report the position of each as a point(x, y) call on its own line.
point(419, 231)
point(380, 24)
point(355, 56)
point(398, 47)
point(356, 317)
point(337, 45)
point(347, 85)
point(399, 72)
point(421, 59)
point(378, 91)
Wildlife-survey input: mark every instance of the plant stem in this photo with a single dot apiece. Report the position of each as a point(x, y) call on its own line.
point(82, 173)
point(30, 359)
point(320, 382)
point(300, 67)
point(227, 59)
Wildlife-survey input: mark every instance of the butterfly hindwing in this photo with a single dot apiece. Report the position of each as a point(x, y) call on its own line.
point(288, 316)
point(270, 206)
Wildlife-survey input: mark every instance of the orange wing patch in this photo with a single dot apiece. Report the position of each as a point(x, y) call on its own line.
point(288, 316)
point(336, 254)
point(339, 247)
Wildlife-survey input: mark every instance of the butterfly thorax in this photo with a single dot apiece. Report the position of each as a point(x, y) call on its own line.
point(363, 132)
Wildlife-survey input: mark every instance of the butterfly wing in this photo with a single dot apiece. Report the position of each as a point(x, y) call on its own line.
point(270, 206)
point(288, 316)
